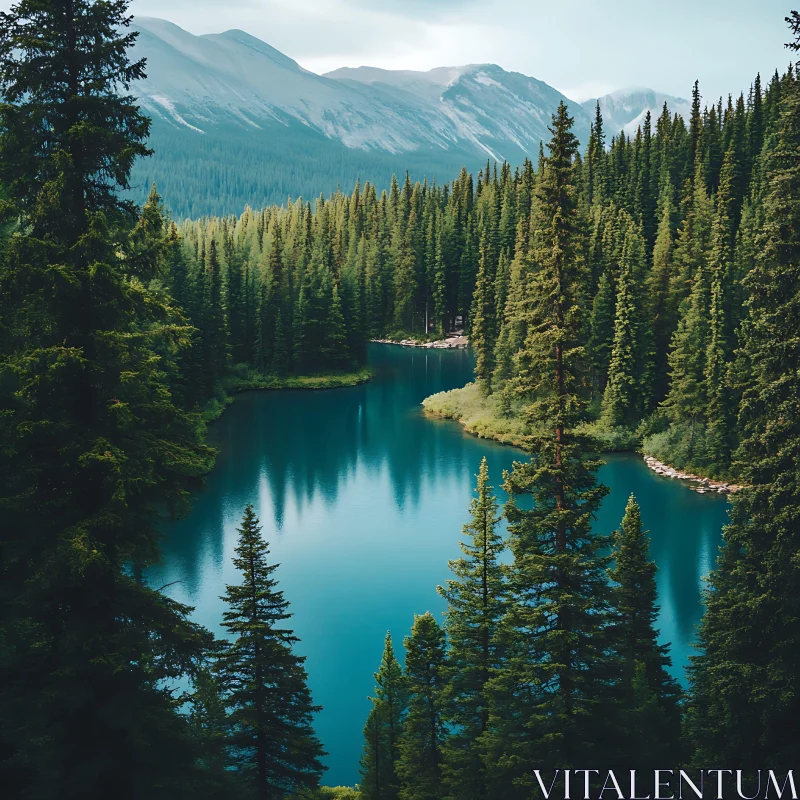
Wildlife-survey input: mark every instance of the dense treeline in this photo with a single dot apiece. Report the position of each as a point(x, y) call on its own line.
point(654, 280)
point(669, 222)
point(294, 288)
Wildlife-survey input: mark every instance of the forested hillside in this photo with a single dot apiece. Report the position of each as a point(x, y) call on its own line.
point(645, 288)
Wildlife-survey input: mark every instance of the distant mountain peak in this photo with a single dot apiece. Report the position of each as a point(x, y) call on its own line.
point(625, 109)
point(259, 46)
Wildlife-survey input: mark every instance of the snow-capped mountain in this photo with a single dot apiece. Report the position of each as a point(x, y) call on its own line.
point(196, 82)
point(478, 104)
point(625, 109)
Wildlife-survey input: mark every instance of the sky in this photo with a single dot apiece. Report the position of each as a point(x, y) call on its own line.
point(584, 48)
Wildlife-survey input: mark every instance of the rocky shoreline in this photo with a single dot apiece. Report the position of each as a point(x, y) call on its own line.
point(703, 485)
point(455, 341)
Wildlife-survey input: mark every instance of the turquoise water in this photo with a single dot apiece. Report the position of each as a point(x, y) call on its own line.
point(362, 500)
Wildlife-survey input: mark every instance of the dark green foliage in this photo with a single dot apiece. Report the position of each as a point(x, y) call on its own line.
point(745, 690)
point(482, 331)
point(379, 778)
point(476, 603)
point(208, 725)
point(659, 274)
point(654, 726)
point(92, 440)
point(419, 766)
point(602, 333)
point(270, 740)
point(628, 374)
point(550, 701)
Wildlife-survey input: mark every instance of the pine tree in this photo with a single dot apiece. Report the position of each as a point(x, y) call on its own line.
point(601, 332)
point(647, 662)
point(691, 245)
point(148, 240)
point(335, 349)
point(271, 740)
point(621, 396)
point(235, 302)
point(482, 333)
point(419, 766)
point(551, 702)
point(405, 286)
point(208, 726)
point(280, 348)
point(661, 305)
point(214, 326)
point(382, 732)
point(595, 157)
point(439, 283)
point(686, 400)
point(476, 603)
point(720, 336)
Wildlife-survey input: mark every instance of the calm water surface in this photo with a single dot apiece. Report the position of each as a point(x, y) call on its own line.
point(362, 500)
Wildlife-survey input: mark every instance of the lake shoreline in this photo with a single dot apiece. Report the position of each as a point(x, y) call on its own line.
point(450, 342)
point(478, 416)
point(704, 484)
point(253, 381)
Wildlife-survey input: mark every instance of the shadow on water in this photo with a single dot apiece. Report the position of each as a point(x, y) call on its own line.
point(362, 500)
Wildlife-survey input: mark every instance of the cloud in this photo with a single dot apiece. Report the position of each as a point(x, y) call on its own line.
point(418, 9)
point(582, 47)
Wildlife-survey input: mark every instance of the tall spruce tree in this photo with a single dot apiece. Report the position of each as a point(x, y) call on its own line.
point(419, 765)
point(719, 440)
point(482, 331)
point(476, 603)
point(551, 702)
point(271, 739)
point(601, 326)
point(622, 397)
point(92, 441)
point(654, 731)
point(379, 778)
point(660, 288)
point(686, 401)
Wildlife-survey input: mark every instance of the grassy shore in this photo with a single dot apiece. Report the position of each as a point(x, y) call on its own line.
point(489, 417)
point(243, 379)
point(480, 415)
point(252, 379)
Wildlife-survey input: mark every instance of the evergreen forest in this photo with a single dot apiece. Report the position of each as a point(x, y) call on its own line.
point(621, 291)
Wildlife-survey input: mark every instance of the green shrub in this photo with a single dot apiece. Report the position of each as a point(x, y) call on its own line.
point(683, 446)
point(330, 793)
point(611, 440)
